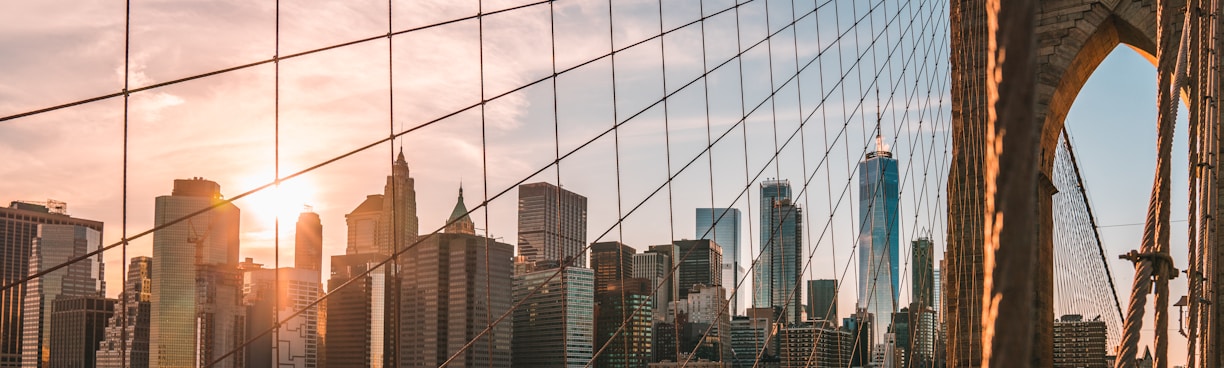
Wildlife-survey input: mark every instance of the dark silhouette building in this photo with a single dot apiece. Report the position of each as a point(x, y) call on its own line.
point(78, 325)
point(451, 287)
point(624, 300)
point(822, 300)
point(308, 242)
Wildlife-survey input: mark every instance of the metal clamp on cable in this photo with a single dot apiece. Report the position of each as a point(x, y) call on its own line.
point(1163, 261)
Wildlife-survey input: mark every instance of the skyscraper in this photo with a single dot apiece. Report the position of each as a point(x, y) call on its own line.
point(552, 224)
point(308, 242)
point(878, 234)
point(700, 264)
point(197, 304)
point(114, 352)
point(775, 280)
point(78, 324)
point(55, 245)
point(363, 226)
point(822, 300)
point(356, 314)
point(612, 262)
point(631, 346)
point(19, 226)
point(298, 344)
point(398, 223)
point(554, 327)
point(923, 270)
point(452, 286)
point(656, 265)
point(723, 226)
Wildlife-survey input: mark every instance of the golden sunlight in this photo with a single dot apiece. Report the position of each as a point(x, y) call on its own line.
point(285, 201)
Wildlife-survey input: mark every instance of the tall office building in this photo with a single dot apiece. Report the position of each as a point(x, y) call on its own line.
point(552, 224)
point(197, 300)
point(700, 264)
point(878, 233)
point(356, 314)
point(1079, 343)
point(128, 346)
point(78, 325)
point(923, 269)
point(723, 226)
point(656, 264)
point(554, 327)
point(55, 245)
point(822, 300)
point(629, 346)
point(452, 285)
point(19, 226)
point(612, 262)
point(298, 344)
point(775, 280)
point(308, 242)
point(363, 226)
point(398, 222)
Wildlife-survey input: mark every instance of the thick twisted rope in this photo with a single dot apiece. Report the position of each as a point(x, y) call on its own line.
point(1155, 260)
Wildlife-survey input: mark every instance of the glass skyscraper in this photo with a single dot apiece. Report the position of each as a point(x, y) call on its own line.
point(552, 224)
point(20, 225)
point(775, 280)
point(723, 226)
point(197, 299)
point(878, 234)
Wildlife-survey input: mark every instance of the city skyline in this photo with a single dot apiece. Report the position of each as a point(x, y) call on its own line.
point(221, 127)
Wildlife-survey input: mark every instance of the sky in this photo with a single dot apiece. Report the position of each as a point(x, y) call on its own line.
point(224, 128)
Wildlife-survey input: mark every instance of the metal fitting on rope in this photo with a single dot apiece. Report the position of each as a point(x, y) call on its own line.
point(1161, 261)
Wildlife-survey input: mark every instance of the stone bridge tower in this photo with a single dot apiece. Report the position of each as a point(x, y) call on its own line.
point(1057, 45)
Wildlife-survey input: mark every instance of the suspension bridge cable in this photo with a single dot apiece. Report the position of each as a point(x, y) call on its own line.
point(399, 134)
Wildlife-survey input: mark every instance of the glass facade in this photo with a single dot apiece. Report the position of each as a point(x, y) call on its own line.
point(822, 300)
point(878, 246)
point(55, 245)
point(197, 306)
point(554, 327)
point(775, 280)
point(444, 285)
point(19, 226)
point(552, 224)
point(723, 226)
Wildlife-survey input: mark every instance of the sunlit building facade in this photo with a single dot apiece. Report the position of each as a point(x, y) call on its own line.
point(55, 245)
point(197, 312)
point(19, 226)
point(128, 346)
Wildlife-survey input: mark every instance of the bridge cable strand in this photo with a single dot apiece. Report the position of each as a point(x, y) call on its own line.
point(1154, 260)
point(398, 135)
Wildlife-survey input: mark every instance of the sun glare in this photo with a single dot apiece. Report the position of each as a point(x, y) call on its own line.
point(285, 201)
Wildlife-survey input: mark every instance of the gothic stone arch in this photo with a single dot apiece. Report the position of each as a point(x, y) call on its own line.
point(1072, 38)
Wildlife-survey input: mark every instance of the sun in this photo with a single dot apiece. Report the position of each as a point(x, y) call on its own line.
point(285, 201)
